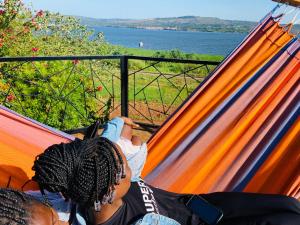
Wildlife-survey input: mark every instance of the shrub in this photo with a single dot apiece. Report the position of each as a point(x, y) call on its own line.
point(58, 93)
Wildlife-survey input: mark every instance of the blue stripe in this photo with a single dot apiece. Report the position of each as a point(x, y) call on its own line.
point(232, 99)
point(287, 124)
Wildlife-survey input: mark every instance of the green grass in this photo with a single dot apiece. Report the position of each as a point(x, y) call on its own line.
point(168, 54)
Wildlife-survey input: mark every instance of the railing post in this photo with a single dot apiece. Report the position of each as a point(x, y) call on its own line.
point(124, 85)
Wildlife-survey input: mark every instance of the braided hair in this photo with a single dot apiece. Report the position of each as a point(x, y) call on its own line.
point(13, 207)
point(83, 170)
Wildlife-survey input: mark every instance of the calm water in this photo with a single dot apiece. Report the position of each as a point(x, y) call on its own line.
point(191, 42)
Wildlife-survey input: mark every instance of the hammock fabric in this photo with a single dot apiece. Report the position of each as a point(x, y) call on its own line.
point(236, 132)
point(239, 130)
point(295, 3)
point(21, 140)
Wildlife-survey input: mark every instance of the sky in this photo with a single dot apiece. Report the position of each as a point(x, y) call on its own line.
point(250, 10)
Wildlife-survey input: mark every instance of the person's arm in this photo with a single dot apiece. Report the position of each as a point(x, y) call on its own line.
point(58, 203)
point(117, 127)
point(112, 129)
point(119, 131)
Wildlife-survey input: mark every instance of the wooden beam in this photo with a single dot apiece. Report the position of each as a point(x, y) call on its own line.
point(295, 3)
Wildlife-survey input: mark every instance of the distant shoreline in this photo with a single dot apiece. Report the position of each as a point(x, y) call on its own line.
point(183, 23)
point(166, 29)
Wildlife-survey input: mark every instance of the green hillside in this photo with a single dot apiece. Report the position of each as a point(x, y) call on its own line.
point(184, 23)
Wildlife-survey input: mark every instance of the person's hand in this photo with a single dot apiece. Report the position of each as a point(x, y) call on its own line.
point(129, 122)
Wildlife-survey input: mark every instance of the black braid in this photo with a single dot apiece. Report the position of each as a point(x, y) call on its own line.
point(78, 169)
point(13, 207)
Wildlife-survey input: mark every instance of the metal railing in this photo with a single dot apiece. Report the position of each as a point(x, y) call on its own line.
point(73, 91)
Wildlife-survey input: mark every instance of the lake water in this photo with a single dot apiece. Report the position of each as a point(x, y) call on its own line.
point(192, 42)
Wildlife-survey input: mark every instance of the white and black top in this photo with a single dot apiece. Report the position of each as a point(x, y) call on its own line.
point(143, 198)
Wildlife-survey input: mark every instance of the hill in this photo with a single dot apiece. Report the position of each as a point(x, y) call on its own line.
point(183, 23)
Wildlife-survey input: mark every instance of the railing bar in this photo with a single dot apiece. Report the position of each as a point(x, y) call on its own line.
point(171, 74)
point(110, 94)
point(84, 99)
point(186, 86)
point(16, 66)
point(134, 97)
point(56, 73)
point(143, 69)
point(65, 83)
point(63, 117)
point(115, 108)
point(75, 108)
point(148, 106)
point(100, 109)
point(24, 111)
point(174, 60)
point(175, 98)
point(148, 84)
point(54, 58)
point(156, 110)
point(208, 70)
point(113, 89)
point(193, 78)
point(140, 113)
point(92, 76)
point(155, 126)
point(70, 92)
point(186, 71)
point(53, 90)
point(160, 95)
point(57, 58)
point(167, 79)
point(95, 73)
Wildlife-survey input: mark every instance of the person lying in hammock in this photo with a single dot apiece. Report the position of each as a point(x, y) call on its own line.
point(96, 175)
point(18, 208)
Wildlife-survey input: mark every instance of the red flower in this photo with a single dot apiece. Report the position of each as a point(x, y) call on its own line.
point(40, 13)
point(10, 97)
point(99, 88)
point(75, 61)
point(35, 49)
point(2, 12)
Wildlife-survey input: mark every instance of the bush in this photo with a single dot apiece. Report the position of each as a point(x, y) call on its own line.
point(64, 101)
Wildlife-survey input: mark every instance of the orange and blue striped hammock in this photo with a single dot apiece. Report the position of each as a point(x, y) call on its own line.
point(238, 131)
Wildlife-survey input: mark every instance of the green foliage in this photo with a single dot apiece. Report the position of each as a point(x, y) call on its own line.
point(58, 93)
point(69, 94)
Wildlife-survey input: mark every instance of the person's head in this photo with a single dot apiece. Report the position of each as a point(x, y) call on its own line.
point(18, 208)
point(86, 171)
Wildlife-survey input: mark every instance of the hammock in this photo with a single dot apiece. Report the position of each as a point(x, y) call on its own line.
point(21, 139)
point(239, 131)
